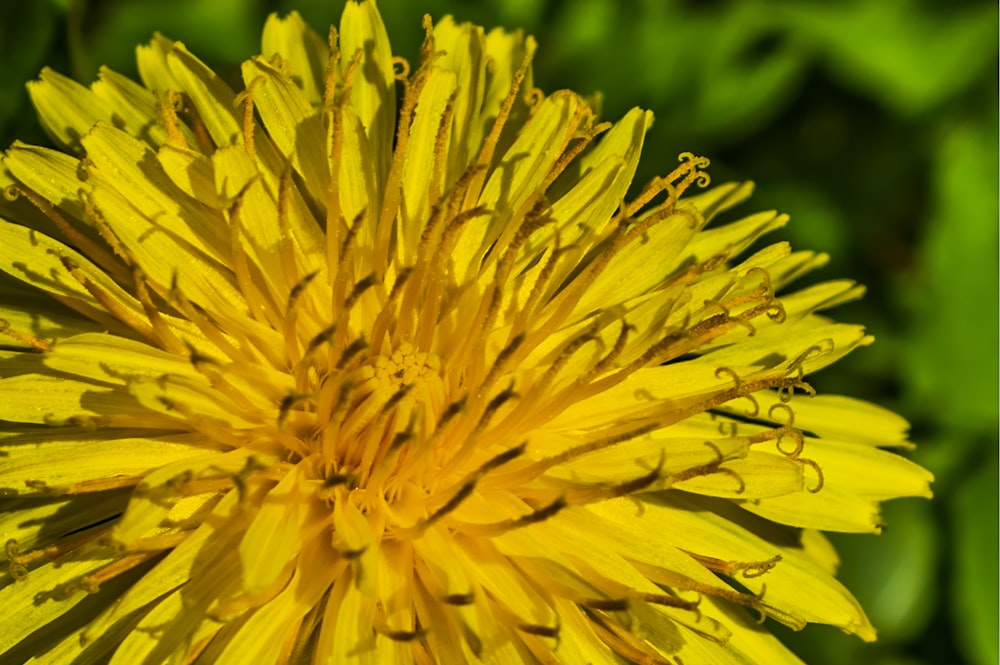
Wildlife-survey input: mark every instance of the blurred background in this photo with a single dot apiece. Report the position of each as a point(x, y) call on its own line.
point(873, 123)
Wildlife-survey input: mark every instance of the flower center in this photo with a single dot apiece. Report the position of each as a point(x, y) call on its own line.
point(405, 368)
point(370, 417)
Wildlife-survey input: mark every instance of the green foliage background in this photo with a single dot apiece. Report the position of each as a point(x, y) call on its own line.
point(872, 122)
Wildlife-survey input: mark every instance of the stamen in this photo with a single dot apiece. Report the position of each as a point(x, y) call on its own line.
point(628, 646)
point(582, 137)
point(541, 631)
point(471, 440)
point(292, 315)
point(209, 329)
point(728, 428)
point(334, 217)
point(169, 103)
point(533, 98)
point(459, 599)
point(450, 412)
point(110, 303)
point(607, 605)
point(819, 474)
point(92, 582)
point(387, 315)
point(797, 437)
point(332, 71)
point(349, 353)
point(690, 171)
point(441, 144)
point(446, 208)
point(469, 485)
point(196, 123)
point(747, 569)
point(790, 421)
point(619, 346)
point(221, 433)
point(19, 562)
point(400, 68)
point(322, 337)
point(492, 139)
point(405, 635)
point(286, 241)
point(76, 239)
point(289, 403)
point(461, 495)
point(391, 197)
point(348, 244)
point(164, 333)
point(589, 495)
point(36, 343)
point(601, 443)
point(668, 601)
point(738, 390)
point(500, 363)
point(498, 528)
point(246, 99)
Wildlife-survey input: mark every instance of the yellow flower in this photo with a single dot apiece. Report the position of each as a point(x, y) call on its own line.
point(292, 375)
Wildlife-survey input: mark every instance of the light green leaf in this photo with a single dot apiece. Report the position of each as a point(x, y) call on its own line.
point(974, 591)
point(952, 365)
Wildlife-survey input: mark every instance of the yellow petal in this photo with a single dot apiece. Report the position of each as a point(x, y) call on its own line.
point(796, 588)
point(519, 174)
point(346, 634)
point(67, 109)
point(192, 172)
point(855, 479)
point(36, 524)
point(152, 63)
point(47, 592)
point(718, 199)
point(52, 174)
point(264, 637)
point(184, 616)
point(305, 52)
point(162, 489)
point(129, 167)
point(362, 35)
point(462, 46)
point(288, 518)
point(214, 99)
point(508, 51)
point(735, 237)
point(421, 182)
point(43, 398)
point(843, 418)
point(605, 173)
point(115, 359)
point(66, 458)
point(642, 265)
point(20, 309)
point(758, 475)
point(136, 108)
point(290, 120)
point(167, 575)
point(359, 179)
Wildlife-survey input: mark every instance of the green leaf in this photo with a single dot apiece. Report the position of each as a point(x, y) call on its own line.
point(217, 31)
point(23, 44)
point(909, 55)
point(976, 537)
point(952, 366)
point(893, 575)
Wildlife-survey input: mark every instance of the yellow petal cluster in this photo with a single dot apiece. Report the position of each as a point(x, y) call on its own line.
point(365, 363)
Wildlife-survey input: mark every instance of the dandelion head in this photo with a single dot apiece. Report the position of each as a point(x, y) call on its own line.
point(379, 362)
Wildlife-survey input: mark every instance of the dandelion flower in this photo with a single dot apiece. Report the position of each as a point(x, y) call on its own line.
point(371, 364)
